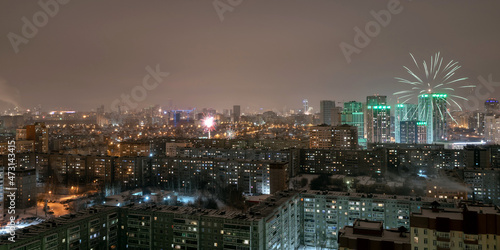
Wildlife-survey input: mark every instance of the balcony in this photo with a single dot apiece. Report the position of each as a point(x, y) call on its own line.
point(443, 247)
point(443, 238)
point(471, 241)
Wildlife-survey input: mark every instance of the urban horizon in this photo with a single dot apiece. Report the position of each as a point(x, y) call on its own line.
point(252, 125)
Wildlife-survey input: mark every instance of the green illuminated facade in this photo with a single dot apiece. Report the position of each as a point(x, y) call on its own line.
point(404, 112)
point(432, 109)
point(378, 119)
point(353, 115)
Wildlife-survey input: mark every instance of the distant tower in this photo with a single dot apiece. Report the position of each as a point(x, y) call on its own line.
point(236, 113)
point(378, 119)
point(100, 109)
point(336, 116)
point(353, 115)
point(325, 111)
point(100, 118)
point(491, 106)
point(306, 105)
point(404, 112)
point(432, 110)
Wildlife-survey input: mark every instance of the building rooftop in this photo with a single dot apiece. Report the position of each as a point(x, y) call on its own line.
point(28, 232)
point(456, 213)
point(366, 224)
point(269, 205)
point(377, 196)
point(373, 230)
point(183, 210)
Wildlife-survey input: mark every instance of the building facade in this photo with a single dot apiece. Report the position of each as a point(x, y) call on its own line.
point(325, 111)
point(432, 109)
point(471, 227)
point(378, 120)
point(404, 112)
point(353, 115)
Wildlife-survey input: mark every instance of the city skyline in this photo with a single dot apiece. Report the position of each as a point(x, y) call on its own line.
point(238, 124)
point(77, 63)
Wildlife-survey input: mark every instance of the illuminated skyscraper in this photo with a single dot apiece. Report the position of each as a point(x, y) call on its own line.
point(491, 106)
point(404, 112)
point(378, 119)
point(325, 112)
point(432, 110)
point(353, 115)
point(412, 132)
point(306, 106)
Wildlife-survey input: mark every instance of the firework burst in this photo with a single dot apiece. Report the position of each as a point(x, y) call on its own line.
point(230, 134)
point(433, 77)
point(209, 124)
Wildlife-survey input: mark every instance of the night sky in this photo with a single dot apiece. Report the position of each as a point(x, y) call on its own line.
point(263, 54)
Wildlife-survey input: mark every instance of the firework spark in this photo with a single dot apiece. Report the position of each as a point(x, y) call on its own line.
point(433, 77)
point(209, 124)
point(230, 134)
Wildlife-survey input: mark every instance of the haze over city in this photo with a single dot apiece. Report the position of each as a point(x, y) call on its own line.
point(249, 124)
point(262, 54)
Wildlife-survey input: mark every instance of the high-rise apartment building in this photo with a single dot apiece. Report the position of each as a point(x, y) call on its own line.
point(378, 119)
point(287, 220)
point(345, 137)
point(472, 227)
point(491, 106)
point(2, 189)
point(320, 136)
point(476, 122)
point(407, 132)
point(278, 177)
point(25, 183)
point(483, 184)
point(403, 112)
point(325, 111)
point(336, 116)
point(365, 234)
point(353, 115)
point(338, 137)
point(40, 135)
point(412, 132)
point(432, 109)
point(236, 113)
point(492, 129)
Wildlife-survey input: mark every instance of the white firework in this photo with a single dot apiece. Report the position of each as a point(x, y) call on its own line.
point(434, 77)
point(230, 134)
